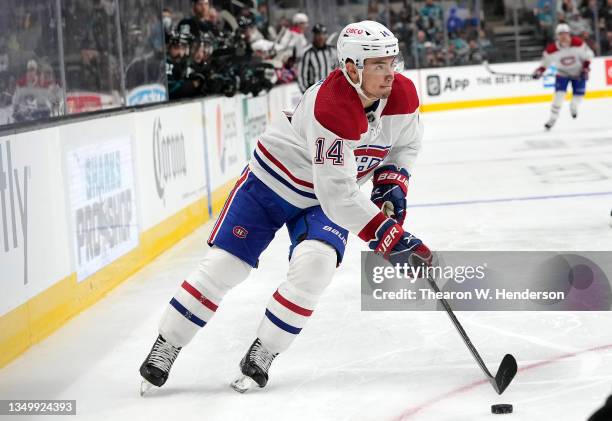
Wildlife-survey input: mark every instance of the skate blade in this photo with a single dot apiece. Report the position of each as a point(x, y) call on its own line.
point(243, 384)
point(145, 386)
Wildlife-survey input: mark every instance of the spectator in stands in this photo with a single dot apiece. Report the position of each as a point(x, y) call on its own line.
point(47, 78)
point(475, 55)
point(484, 44)
point(473, 22)
point(605, 16)
point(419, 47)
point(577, 24)
point(451, 55)
point(29, 33)
point(438, 40)
point(36, 94)
point(566, 8)
point(454, 22)
point(541, 4)
point(318, 60)
point(262, 21)
point(403, 31)
point(281, 24)
point(201, 52)
point(433, 56)
point(544, 18)
point(292, 42)
point(200, 21)
point(167, 22)
point(177, 66)
point(587, 11)
point(461, 49)
point(255, 37)
point(606, 43)
point(31, 77)
point(433, 11)
point(430, 19)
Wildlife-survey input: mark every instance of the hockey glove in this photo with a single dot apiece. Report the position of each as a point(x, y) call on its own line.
point(391, 185)
point(410, 250)
point(586, 69)
point(399, 246)
point(538, 73)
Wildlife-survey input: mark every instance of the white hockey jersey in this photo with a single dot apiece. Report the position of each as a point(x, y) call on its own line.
point(569, 60)
point(331, 145)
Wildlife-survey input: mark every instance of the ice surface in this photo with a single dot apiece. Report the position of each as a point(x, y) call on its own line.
point(487, 179)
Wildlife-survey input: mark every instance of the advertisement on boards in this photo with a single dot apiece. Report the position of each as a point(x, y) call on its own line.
point(34, 251)
point(100, 185)
point(169, 161)
point(255, 121)
point(225, 139)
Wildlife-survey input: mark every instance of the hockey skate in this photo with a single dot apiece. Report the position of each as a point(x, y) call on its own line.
point(254, 367)
point(573, 111)
point(550, 123)
point(156, 367)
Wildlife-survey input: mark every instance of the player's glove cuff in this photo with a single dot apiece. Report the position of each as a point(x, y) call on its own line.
point(586, 69)
point(392, 175)
point(382, 234)
point(539, 72)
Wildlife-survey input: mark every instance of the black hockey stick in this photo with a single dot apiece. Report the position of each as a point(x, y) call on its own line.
point(530, 75)
point(496, 73)
point(508, 367)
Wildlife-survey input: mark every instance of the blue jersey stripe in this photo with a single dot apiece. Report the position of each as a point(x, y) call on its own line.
point(186, 313)
point(278, 322)
point(281, 179)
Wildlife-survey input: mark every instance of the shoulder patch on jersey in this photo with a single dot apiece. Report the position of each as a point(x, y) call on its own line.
point(577, 42)
point(403, 99)
point(551, 48)
point(338, 108)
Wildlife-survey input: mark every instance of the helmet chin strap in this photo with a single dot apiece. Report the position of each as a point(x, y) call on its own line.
point(357, 85)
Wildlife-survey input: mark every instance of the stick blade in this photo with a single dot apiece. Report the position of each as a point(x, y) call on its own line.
point(505, 374)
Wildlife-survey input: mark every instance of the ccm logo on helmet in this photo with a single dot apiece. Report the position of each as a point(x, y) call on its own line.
point(355, 31)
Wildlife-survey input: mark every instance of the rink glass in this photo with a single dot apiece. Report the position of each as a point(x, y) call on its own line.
point(110, 54)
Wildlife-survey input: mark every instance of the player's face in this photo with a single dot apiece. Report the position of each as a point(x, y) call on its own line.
point(378, 74)
point(564, 38)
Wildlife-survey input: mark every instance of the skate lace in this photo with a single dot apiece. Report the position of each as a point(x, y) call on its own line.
point(261, 356)
point(163, 355)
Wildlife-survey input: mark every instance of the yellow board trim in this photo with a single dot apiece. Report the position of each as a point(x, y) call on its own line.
point(492, 102)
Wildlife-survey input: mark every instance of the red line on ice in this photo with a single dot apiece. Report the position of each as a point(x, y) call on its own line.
point(419, 408)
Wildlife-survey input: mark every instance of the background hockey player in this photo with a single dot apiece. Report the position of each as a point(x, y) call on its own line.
point(361, 122)
point(572, 58)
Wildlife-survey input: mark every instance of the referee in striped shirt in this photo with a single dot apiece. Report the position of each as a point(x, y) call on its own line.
point(318, 60)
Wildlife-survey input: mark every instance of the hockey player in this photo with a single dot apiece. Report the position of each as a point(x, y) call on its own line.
point(572, 57)
point(361, 122)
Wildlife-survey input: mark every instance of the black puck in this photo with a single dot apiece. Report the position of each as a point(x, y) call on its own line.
point(501, 408)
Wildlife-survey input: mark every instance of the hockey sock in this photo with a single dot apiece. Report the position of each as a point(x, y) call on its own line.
point(576, 101)
point(198, 296)
point(556, 105)
point(311, 269)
